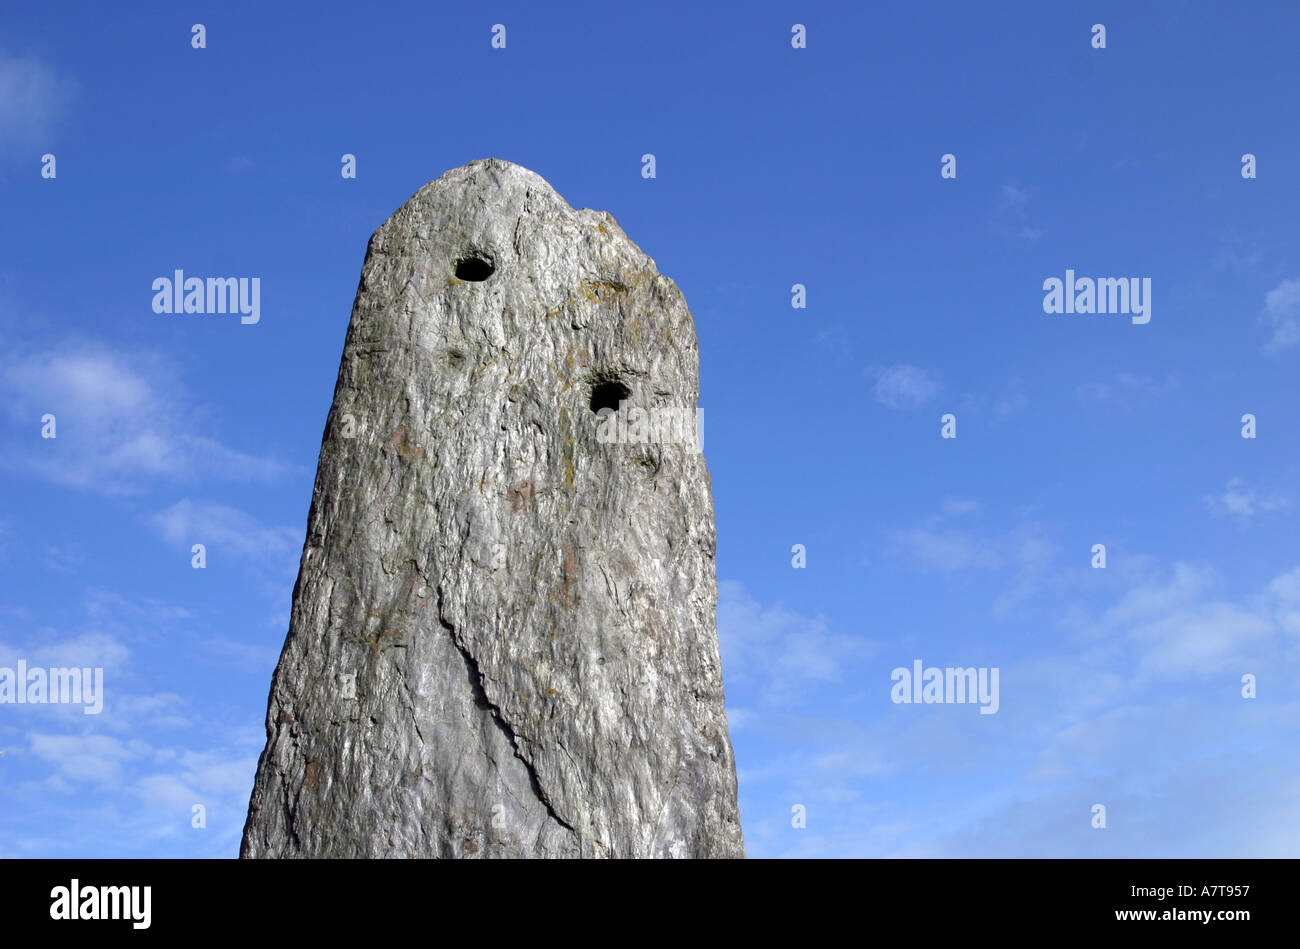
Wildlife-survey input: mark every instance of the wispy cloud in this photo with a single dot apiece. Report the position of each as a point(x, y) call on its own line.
point(939, 545)
point(1125, 388)
point(1010, 404)
point(1012, 401)
point(960, 543)
point(1105, 716)
point(934, 546)
point(122, 780)
point(903, 386)
point(65, 558)
point(1178, 625)
point(775, 655)
point(1241, 501)
point(226, 529)
point(1011, 215)
point(93, 648)
point(33, 98)
point(1282, 312)
point(95, 758)
point(1005, 404)
point(1236, 253)
point(122, 421)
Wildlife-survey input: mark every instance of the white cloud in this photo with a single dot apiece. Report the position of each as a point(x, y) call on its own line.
point(776, 654)
point(118, 784)
point(1212, 638)
point(123, 712)
point(33, 98)
point(1179, 627)
point(92, 648)
point(1011, 402)
point(1027, 557)
point(852, 763)
point(111, 608)
point(117, 427)
point(1126, 388)
point(95, 758)
point(934, 544)
point(1011, 216)
point(1242, 502)
point(1283, 600)
point(1237, 253)
point(1141, 712)
point(903, 386)
point(199, 777)
point(130, 713)
point(1186, 585)
point(946, 549)
point(65, 558)
point(1282, 311)
point(259, 658)
point(222, 528)
point(117, 797)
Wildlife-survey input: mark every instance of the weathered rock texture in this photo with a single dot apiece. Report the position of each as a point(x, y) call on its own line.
point(503, 636)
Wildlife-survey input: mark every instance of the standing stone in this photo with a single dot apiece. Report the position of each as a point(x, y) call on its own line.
point(503, 638)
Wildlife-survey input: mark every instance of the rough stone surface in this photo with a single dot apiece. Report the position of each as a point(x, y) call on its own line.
point(503, 638)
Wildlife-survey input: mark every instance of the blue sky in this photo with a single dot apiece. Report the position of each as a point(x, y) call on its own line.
point(775, 166)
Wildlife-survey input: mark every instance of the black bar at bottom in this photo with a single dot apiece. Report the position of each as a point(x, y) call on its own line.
point(330, 899)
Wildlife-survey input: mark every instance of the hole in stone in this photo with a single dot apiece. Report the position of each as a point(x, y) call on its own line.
point(607, 395)
point(474, 268)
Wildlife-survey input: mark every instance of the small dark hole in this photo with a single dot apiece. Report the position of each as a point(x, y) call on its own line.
point(474, 269)
point(607, 395)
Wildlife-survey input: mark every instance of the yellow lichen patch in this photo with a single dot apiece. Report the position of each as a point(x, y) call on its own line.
point(453, 282)
point(593, 290)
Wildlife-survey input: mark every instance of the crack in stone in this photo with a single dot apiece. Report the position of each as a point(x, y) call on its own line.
point(481, 699)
